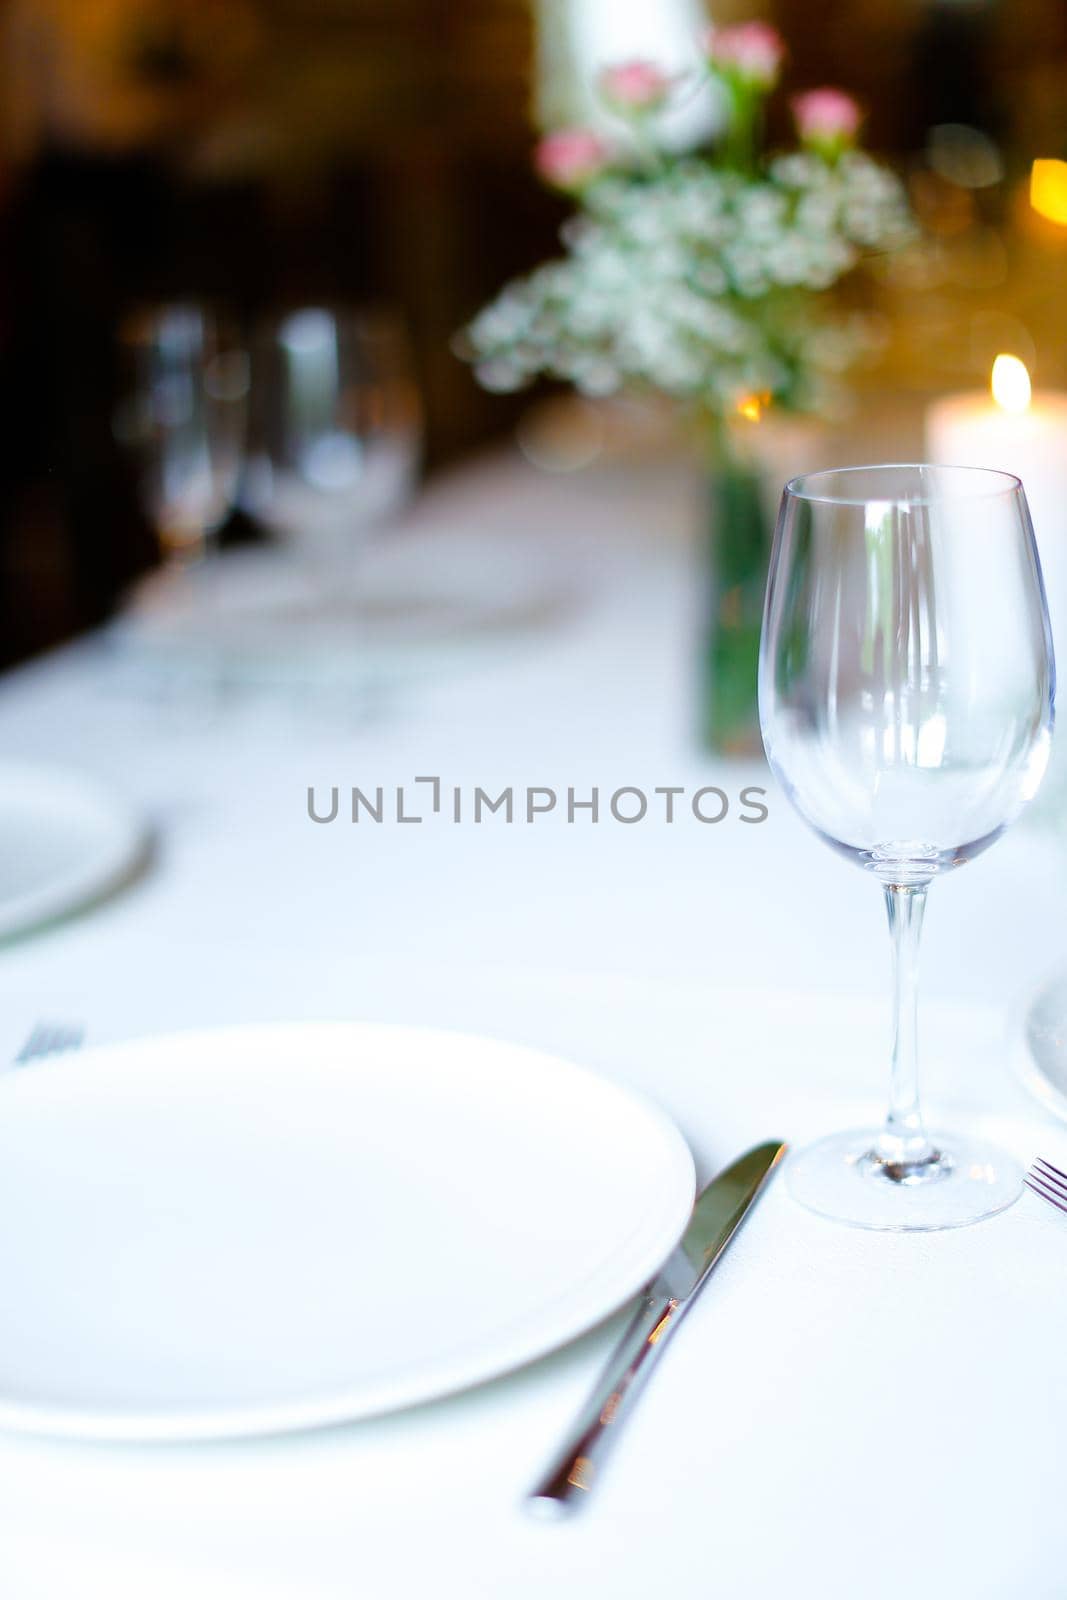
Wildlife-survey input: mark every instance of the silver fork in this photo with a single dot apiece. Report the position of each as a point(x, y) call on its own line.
point(1049, 1182)
point(49, 1039)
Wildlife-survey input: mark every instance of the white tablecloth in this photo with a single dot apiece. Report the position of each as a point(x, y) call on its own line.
point(844, 1413)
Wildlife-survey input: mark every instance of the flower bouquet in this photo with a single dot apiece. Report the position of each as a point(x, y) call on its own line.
point(703, 277)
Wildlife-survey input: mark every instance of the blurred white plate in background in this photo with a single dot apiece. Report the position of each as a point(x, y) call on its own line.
point(265, 1228)
point(1040, 1044)
point(64, 842)
point(402, 607)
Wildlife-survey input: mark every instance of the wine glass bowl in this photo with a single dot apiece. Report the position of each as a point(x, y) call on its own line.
point(183, 419)
point(906, 704)
point(336, 427)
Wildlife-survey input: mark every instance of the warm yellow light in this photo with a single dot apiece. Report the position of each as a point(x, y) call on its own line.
point(1011, 383)
point(1048, 190)
point(752, 406)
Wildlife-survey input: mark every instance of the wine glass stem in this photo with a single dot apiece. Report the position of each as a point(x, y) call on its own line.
point(903, 1146)
point(185, 550)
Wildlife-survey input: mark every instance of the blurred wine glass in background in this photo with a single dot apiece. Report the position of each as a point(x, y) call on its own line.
point(336, 427)
point(183, 417)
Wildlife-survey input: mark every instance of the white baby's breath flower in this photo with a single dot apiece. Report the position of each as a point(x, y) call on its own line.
point(697, 281)
point(500, 376)
point(798, 170)
point(594, 376)
point(761, 212)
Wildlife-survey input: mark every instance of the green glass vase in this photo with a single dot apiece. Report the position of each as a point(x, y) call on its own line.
point(738, 547)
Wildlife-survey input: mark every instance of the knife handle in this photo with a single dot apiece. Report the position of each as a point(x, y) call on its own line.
point(572, 1474)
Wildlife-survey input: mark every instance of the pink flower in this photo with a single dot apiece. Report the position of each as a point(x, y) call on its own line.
point(827, 119)
point(634, 86)
point(571, 158)
point(751, 51)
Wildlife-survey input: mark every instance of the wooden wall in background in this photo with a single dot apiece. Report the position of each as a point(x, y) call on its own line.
point(393, 138)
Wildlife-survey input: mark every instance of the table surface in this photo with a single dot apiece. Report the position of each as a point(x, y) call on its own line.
point(845, 1412)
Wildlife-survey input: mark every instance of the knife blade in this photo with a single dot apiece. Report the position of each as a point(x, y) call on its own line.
point(718, 1213)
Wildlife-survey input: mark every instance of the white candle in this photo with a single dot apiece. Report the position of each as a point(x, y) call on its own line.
point(1014, 431)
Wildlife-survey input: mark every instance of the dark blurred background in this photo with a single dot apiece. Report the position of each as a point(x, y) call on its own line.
point(266, 152)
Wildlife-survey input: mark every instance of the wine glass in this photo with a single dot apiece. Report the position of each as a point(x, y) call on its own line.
point(183, 418)
point(906, 701)
point(337, 427)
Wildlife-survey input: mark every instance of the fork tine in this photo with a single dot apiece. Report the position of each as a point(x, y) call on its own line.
point(48, 1039)
point(1034, 1176)
point(32, 1045)
point(1051, 1184)
point(1055, 1171)
point(1037, 1171)
point(46, 1043)
point(1044, 1194)
point(1045, 1197)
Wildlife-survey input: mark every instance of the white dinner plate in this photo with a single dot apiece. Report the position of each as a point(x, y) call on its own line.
point(1040, 1044)
point(402, 607)
point(265, 1228)
point(64, 842)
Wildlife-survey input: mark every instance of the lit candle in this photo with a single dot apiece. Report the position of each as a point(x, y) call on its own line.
point(1026, 434)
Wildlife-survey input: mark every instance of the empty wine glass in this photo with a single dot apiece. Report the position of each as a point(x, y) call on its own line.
point(183, 417)
point(337, 427)
point(906, 701)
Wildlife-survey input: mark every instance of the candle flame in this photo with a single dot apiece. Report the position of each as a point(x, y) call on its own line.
point(1048, 190)
point(1011, 383)
point(752, 406)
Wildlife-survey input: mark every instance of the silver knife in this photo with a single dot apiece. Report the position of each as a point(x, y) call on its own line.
point(717, 1215)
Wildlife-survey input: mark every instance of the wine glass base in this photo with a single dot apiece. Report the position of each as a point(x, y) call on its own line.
point(839, 1177)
